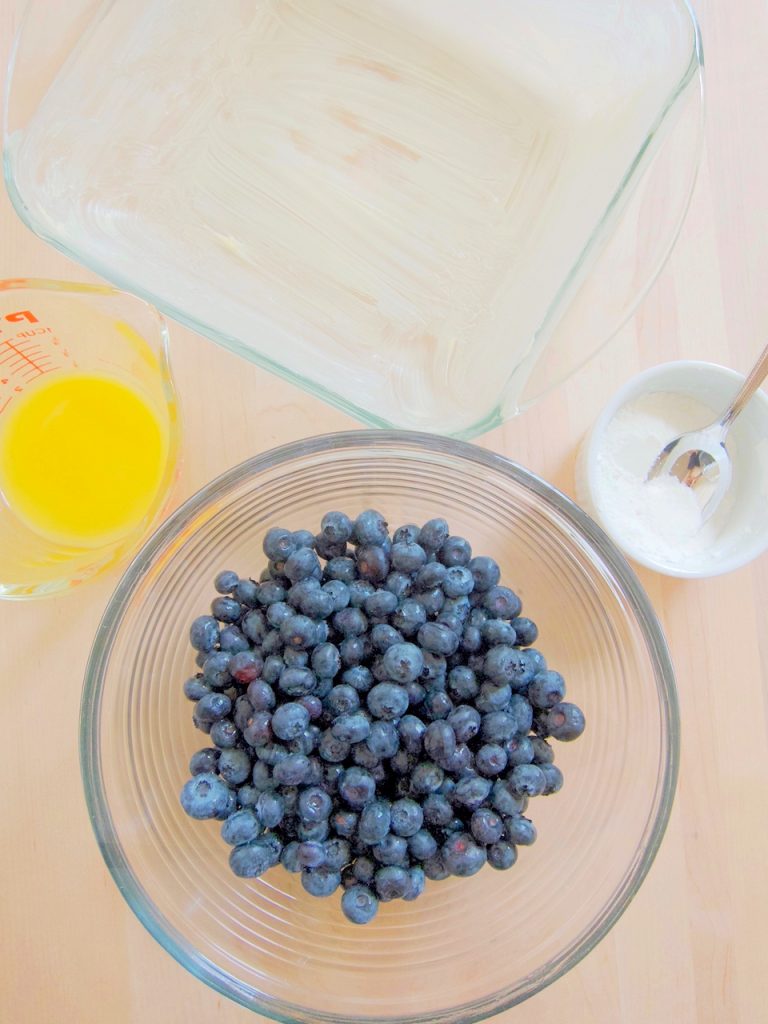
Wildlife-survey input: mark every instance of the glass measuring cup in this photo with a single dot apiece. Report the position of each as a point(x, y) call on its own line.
point(66, 350)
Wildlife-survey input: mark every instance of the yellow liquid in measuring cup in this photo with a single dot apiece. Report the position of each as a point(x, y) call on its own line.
point(81, 458)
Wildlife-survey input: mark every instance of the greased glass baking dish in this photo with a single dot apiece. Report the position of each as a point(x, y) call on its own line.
point(427, 212)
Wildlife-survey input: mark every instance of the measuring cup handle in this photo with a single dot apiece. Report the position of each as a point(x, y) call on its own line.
point(756, 376)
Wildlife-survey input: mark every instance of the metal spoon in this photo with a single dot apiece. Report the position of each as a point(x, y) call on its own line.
point(700, 456)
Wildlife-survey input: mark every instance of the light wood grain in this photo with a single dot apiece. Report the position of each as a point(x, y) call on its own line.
point(691, 946)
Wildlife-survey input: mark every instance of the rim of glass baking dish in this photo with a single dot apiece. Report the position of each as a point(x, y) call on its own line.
point(374, 441)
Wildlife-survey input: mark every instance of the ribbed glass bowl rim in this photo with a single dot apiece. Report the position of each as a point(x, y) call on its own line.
point(373, 441)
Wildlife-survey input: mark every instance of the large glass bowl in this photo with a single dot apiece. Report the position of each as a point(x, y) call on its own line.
point(467, 948)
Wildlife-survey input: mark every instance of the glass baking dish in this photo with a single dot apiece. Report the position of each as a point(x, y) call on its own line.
point(427, 212)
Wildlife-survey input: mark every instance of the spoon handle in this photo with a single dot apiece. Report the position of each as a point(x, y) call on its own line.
point(757, 375)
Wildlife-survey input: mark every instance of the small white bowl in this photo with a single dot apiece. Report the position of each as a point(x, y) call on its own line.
point(743, 531)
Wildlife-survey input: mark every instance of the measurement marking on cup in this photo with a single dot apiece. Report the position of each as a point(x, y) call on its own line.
point(23, 358)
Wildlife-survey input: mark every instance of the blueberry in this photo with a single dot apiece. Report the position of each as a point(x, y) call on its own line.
point(350, 622)
point(224, 733)
point(402, 764)
point(204, 633)
point(462, 856)
point(314, 804)
point(455, 551)
point(272, 753)
point(542, 752)
point(374, 822)
point(432, 601)
point(416, 694)
point(435, 667)
point(426, 777)
point(501, 856)
point(278, 543)
point(387, 701)
point(437, 704)
point(352, 650)
point(226, 581)
point(257, 728)
point(327, 548)
point(273, 666)
point(331, 748)
point(306, 742)
point(416, 882)
point(526, 780)
point(226, 609)
point(372, 563)
point(195, 688)
point(302, 564)
point(297, 682)
point(435, 869)
point(465, 722)
point(391, 883)
point(498, 727)
point(380, 604)
point(527, 631)
point(358, 677)
point(547, 689)
point(310, 854)
point(252, 859)
point(344, 823)
point(303, 538)
point(352, 726)
point(261, 695)
point(212, 707)
point(298, 632)
point(383, 739)
point(553, 779)
point(502, 603)
point(318, 604)
point(497, 631)
point(342, 570)
point(391, 850)
point(434, 534)
point(216, 669)
point(270, 809)
point(270, 592)
point(486, 826)
point(457, 609)
point(493, 698)
point(410, 617)
point(563, 721)
point(276, 615)
point(336, 526)
point(292, 770)
point(504, 801)
point(462, 683)
point(247, 592)
point(241, 827)
point(338, 854)
point(326, 661)
point(519, 830)
point(485, 572)
point(403, 662)
point(458, 582)
point(342, 700)
point(289, 858)
point(275, 571)
point(338, 593)
point(234, 766)
point(519, 750)
point(437, 809)
point(491, 759)
point(330, 777)
point(522, 712)
point(205, 796)
point(407, 534)
point(246, 666)
point(232, 640)
point(471, 792)
point(407, 817)
point(370, 528)
point(247, 795)
point(295, 659)
point(359, 904)
point(408, 557)
point(399, 584)
point(357, 787)
point(411, 731)
point(437, 638)
point(313, 831)
point(440, 742)
point(204, 760)
point(462, 761)
point(422, 845)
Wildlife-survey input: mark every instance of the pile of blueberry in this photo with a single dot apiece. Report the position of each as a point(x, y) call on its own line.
point(377, 711)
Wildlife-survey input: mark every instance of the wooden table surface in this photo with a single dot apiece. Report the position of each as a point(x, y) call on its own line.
point(691, 946)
